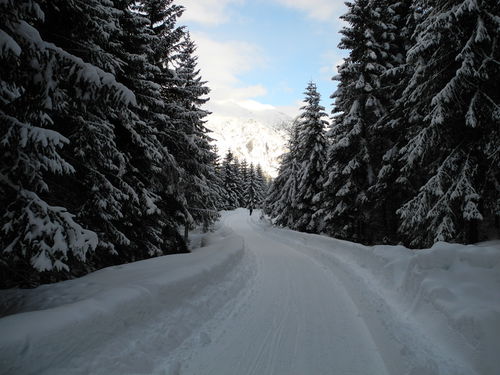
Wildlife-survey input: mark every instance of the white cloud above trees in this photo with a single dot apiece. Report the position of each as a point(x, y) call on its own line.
point(224, 62)
point(207, 12)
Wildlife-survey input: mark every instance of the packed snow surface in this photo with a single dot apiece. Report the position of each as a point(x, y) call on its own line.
point(253, 299)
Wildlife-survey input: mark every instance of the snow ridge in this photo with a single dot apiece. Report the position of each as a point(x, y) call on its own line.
point(440, 305)
point(178, 291)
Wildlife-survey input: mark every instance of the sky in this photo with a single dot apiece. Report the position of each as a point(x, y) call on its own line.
point(261, 54)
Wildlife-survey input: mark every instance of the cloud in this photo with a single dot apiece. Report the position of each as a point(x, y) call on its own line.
point(331, 60)
point(221, 64)
point(253, 105)
point(216, 12)
point(321, 10)
point(224, 63)
point(291, 110)
point(207, 12)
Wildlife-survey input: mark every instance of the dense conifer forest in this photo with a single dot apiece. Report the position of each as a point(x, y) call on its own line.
point(412, 152)
point(106, 158)
point(104, 150)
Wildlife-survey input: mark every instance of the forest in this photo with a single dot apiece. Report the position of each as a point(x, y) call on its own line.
point(106, 158)
point(412, 154)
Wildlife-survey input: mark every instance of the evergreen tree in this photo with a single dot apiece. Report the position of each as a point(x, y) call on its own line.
point(231, 182)
point(239, 183)
point(389, 191)
point(245, 175)
point(101, 105)
point(194, 152)
point(97, 192)
point(218, 179)
point(452, 152)
point(163, 16)
point(261, 185)
point(281, 202)
point(360, 101)
point(152, 169)
point(41, 83)
point(311, 156)
point(251, 189)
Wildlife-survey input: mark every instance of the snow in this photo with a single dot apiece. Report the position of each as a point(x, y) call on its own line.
point(8, 45)
point(132, 314)
point(255, 299)
point(254, 132)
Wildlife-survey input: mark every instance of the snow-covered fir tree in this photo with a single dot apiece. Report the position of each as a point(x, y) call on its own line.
point(188, 139)
point(194, 151)
point(452, 154)
point(360, 101)
point(281, 204)
point(244, 173)
point(239, 185)
point(90, 129)
point(97, 192)
point(252, 194)
point(152, 170)
point(42, 83)
point(165, 56)
point(218, 183)
point(310, 158)
point(262, 185)
point(231, 181)
point(389, 191)
point(255, 187)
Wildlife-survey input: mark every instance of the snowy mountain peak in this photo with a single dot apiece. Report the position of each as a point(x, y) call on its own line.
point(253, 131)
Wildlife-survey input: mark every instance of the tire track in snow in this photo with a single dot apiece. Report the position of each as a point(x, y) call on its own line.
point(299, 319)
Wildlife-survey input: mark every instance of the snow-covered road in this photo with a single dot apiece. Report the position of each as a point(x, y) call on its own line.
point(297, 319)
point(255, 299)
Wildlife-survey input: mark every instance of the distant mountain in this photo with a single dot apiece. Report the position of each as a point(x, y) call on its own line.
point(258, 135)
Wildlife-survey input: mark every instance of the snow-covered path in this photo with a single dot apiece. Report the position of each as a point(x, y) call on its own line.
point(255, 299)
point(297, 319)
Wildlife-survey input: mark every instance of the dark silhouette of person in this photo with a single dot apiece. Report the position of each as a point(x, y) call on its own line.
point(251, 210)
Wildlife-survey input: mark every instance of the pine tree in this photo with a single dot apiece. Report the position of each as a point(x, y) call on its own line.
point(452, 152)
point(163, 16)
point(245, 175)
point(186, 137)
point(218, 179)
point(41, 83)
point(239, 186)
point(360, 101)
point(310, 157)
point(194, 152)
point(151, 170)
point(281, 202)
point(166, 57)
point(231, 182)
point(251, 189)
point(97, 192)
point(389, 191)
point(262, 186)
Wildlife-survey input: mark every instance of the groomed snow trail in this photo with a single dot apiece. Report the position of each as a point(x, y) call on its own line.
point(296, 318)
point(256, 299)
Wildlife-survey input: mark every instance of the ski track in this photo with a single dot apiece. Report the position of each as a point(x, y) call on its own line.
point(296, 319)
point(286, 304)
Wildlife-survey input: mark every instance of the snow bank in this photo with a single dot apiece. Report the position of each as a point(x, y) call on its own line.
point(460, 282)
point(446, 297)
point(62, 320)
